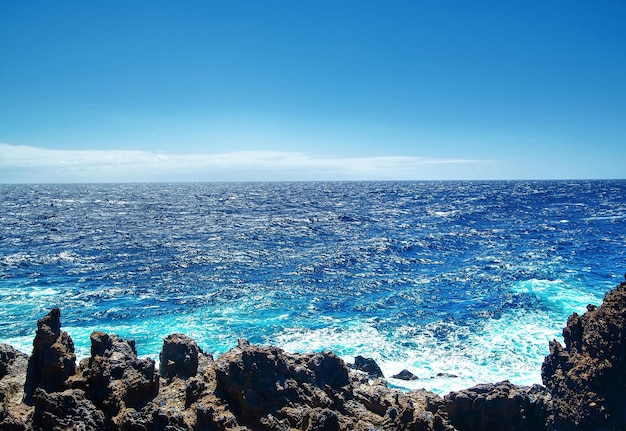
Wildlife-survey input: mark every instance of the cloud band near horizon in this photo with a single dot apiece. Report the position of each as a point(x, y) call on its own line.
point(27, 164)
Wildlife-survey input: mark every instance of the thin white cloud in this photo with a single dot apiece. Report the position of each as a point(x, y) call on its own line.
point(25, 164)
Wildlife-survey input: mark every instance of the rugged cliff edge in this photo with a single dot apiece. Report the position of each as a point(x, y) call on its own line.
point(265, 388)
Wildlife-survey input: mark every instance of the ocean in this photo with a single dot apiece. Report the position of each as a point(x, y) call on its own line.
point(458, 282)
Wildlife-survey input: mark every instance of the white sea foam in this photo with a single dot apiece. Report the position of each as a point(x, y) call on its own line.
point(568, 295)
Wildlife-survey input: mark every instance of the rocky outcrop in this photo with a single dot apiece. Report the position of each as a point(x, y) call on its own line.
point(53, 360)
point(587, 377)
point(265, 388)
point(179, 357)
point(368, 366)
point(405, 375)
point(500, 406)
point(114, 378)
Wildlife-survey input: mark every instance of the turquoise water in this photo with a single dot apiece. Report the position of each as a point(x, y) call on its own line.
point(465, 278)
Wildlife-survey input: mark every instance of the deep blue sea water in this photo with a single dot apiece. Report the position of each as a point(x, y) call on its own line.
point(465, 278)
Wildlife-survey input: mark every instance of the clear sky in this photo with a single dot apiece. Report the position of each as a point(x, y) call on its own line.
point(311, 90)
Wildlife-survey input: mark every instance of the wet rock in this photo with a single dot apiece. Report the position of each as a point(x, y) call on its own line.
point(369, 366)
point(446, 376)
point(179, 357)
point(405, 375)
point(53, 360)
point(586, 377)
point(501, 406)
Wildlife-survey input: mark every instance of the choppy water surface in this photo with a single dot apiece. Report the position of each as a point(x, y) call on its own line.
point(465, 278)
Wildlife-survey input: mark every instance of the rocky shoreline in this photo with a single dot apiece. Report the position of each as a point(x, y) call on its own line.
point(265, 388)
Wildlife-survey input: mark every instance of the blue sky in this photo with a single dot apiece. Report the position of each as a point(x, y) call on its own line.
point(324, 90)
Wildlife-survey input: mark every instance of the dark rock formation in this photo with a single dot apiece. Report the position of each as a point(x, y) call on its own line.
point(114, 378)
point(179, 357)
point(500, 406)
point(405, 375)
point(368, 366)
point(587, 377)
point(53, 360)
point(62, 411)
point(13, 364)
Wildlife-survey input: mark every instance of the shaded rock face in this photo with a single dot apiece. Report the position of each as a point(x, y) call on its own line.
point(115, 378)
point(587, 377)
point(53, 360)
point(179, 357)
point(13, 365)
point(269, 389)
point(258, 381)
point(62, 411)
point(500, 406)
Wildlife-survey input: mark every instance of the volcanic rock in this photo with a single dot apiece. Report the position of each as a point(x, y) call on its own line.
point(114, 378)
point(13, 365)
point(587, 378)
point(405, 375)
point(369, 366)
point(53, 360)
point(179, 357)
point(498, 406)
point(65, 410)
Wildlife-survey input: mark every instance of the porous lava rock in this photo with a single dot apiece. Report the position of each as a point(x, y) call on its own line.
point(498, 406)
point(53, 360)
point(587, 377)
point(179, 357)
point(13, 365)
point(70, 409)
point(114, 378)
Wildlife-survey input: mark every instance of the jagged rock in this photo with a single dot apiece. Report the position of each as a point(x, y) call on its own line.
point(434, 415)
point(115, 378)
point(179, 357)
point(369, 366)
point(501, 406)
point(258, 381)
point(405, 375)
point(66, 410)
point(13, 365)
point(153, 418)
point(53, 360)
point(587, 378)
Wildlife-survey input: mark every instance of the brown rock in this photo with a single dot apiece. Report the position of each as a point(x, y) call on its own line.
point(179, 357)
point(586, 378)
point(115, 378)
point(66, 410)
point(53, 360)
